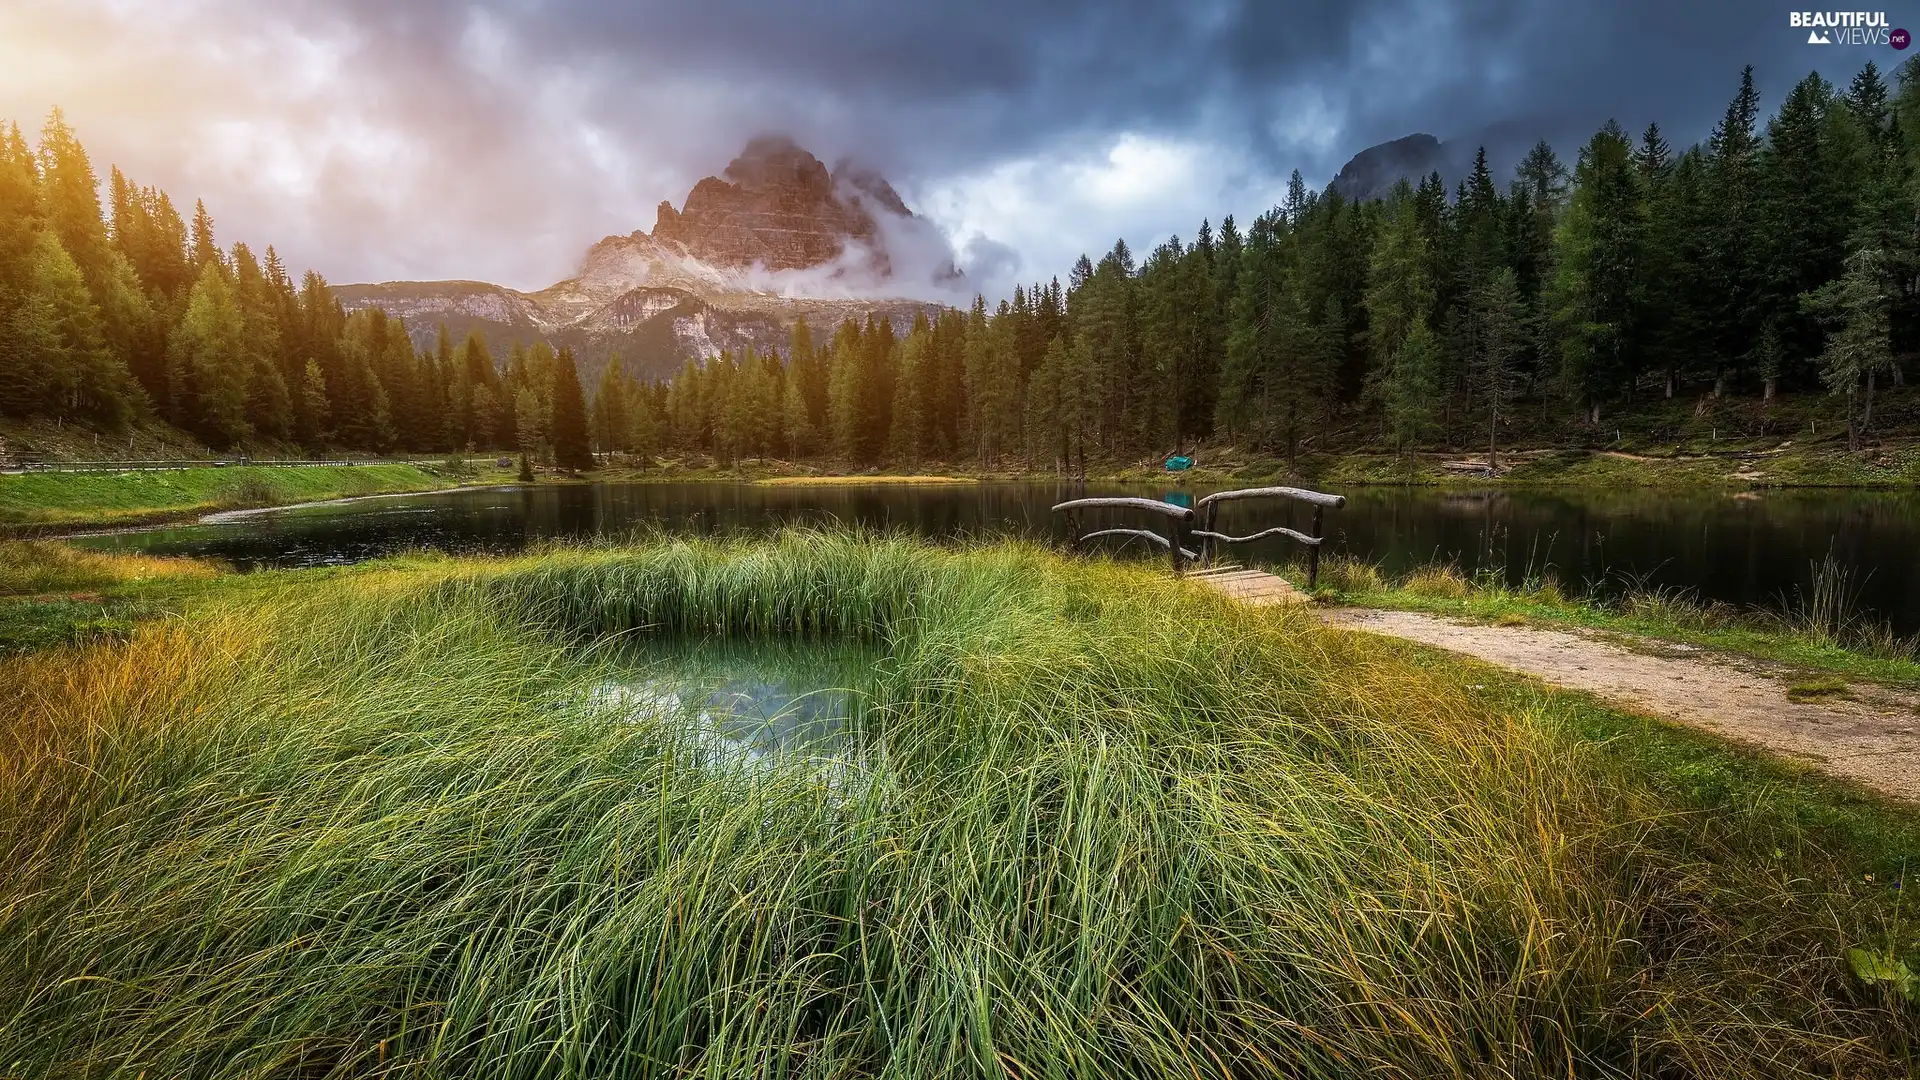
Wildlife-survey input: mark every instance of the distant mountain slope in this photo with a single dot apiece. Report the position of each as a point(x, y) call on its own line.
point(652, 330)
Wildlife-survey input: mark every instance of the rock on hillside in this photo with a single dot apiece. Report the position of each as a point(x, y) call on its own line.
point(1372, 172)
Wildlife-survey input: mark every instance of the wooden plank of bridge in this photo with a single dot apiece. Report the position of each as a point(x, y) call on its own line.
point(1256, 587)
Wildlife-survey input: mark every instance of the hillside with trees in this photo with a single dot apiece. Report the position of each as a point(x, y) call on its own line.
point(1764, 278)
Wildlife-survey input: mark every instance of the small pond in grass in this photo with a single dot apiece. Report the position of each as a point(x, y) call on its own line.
point(1739, 547)
point(747, 706)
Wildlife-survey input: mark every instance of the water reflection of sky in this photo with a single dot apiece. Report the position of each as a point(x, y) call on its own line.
point(744, 706)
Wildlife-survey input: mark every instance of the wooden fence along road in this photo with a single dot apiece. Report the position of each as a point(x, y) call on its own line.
point(1179, 538)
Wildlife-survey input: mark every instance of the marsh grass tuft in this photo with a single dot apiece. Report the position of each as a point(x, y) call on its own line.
point(1106, 826)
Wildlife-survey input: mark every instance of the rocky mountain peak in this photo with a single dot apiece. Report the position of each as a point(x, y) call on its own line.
point(776, 205)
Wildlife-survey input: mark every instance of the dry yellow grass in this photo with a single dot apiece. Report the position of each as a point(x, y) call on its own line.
point(40, 566)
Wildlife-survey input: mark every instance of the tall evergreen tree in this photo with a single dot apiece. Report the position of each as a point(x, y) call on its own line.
point(571, 449)
point(1594, 295)
point(207, 364)
point(1500, 337)
point(1858, 352)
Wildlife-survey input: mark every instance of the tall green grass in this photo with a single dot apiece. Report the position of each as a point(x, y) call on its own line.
point(1104, 826)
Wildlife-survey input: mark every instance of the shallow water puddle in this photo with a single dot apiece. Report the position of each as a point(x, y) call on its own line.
point(749, 707)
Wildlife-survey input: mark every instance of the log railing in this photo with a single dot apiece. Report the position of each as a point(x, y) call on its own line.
point(1209, 508)
point(1179, 530)
point(1178, 527)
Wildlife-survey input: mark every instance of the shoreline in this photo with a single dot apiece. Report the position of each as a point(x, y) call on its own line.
point(1532, 471)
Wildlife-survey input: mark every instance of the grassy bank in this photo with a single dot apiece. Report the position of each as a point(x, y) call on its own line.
point(66, 500)
point(1762, 464)
point(1820, 629)
point(1891, 466)
point(1095, 824)
point(858, 480)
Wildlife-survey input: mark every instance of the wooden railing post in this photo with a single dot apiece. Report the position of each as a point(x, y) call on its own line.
point(1313, 552)
point(1207, 548)
point(1174, 542)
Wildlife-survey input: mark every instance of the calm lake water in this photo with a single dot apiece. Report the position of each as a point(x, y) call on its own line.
point(1750, 548)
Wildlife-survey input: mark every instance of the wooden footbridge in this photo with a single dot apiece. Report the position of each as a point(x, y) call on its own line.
point(1186, 545)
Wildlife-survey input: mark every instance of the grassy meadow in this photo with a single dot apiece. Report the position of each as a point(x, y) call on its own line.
point(377, 823)
point(65, 500)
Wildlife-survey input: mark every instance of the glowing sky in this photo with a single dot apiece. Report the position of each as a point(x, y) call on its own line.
point(496, 140)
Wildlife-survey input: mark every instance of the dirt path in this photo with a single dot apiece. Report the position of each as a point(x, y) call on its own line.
point(1872, 736)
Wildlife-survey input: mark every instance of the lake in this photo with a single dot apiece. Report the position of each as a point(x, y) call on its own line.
point(1743, 548)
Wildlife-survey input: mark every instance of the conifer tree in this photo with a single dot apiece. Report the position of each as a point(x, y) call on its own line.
point(1500, 337)
point(612, 426)
point(529, 422)
point(1653, 157)
point(205, 252)
point(58, 359)
point(1399, 288)
point(907, 436)
point(1803, 211)
point(1731, 269)
point(1857, 307)
point(571, 449)
point(686, 412)
point(269, 405)
point(20, 224)
point(1595, 292)
point(70, 197)
point(648, 424)
point(315, 419)
point(1410, 385)
point(847, 392)
point(1047, 426)
point(796, 417)
point(207, 363)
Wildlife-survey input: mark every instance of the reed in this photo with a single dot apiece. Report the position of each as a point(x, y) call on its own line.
point(1099, 825)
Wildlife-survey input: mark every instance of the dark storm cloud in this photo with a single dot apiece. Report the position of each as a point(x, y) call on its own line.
point(439, 138)
point(944, 86)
